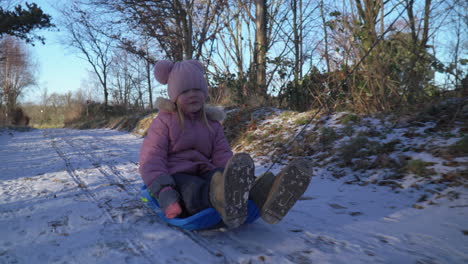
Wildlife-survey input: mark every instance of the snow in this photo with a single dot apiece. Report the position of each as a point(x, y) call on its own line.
point(71, 196)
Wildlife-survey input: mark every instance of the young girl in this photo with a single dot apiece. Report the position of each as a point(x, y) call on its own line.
point(187, 164)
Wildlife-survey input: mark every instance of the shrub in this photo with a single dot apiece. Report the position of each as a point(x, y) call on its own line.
point(327, 136)
point(73, 112)
point(249, 138)
point(286, 114)
point(370, 133)
point(18, 117)
point(461, 147)
point(273, 129)
point(355, 148)
point(387, 147)
point(348, 130)
point(351, 118)
point(310, 137)
point(302, 121)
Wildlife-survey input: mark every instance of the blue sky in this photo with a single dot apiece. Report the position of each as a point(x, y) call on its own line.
point(59, 69)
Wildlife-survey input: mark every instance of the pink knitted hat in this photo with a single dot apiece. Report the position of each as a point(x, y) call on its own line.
point(180, 76)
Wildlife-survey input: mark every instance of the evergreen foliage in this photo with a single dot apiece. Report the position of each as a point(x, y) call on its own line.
point(21, 22)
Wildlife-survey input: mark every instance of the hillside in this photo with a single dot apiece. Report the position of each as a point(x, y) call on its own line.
point(423, 151)
point(426, 150)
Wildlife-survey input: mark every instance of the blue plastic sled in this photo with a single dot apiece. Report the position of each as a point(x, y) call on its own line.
point(205, 219)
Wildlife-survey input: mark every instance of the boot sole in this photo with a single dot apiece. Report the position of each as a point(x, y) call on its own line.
point(287, 188)
point(238, 180)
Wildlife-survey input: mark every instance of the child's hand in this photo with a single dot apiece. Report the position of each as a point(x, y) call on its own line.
point(173, 210)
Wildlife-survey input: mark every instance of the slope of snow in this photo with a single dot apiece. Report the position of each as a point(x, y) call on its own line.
point(71, 196)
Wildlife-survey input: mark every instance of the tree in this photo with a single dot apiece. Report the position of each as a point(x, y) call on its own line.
point(261, 46)
point(86, 35)
point(233, 50)
point(181, 28)
point(143, 53)
point(246, 40)
point(417, 69)
point(128, 74)
point(15, 73)
point(22, 22)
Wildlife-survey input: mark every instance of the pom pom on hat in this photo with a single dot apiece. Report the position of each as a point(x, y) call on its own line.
point(180, 76)
point(162, 70)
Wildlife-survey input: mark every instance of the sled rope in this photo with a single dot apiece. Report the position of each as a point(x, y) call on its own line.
point(285, 147)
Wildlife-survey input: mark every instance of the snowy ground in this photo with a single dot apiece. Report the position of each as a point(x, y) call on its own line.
point(71, 196)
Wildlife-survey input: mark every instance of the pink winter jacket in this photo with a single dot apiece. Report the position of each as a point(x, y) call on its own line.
point(169, 149)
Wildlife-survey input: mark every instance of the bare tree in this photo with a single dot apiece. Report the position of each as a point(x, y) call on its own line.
point(128, 76)
point(238, 46)
point(181, 28)
point(230, 56)
point(85, 34)
point(325, 36)
point(261, 46)
point(16, 73)
point(142, 49)
point(416, 70)
point(121, 82)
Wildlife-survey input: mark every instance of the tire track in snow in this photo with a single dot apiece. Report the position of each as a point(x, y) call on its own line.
point(199, 237)
point(117, 179)
point(218, 245)
point(82, 185)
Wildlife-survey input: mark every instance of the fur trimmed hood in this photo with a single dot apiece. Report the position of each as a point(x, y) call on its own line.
point(212, 113)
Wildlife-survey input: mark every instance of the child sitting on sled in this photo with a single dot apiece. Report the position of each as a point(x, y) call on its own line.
point(187, 164)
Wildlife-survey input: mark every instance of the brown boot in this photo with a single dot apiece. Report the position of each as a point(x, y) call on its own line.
point(229, 191)
point(285, 189)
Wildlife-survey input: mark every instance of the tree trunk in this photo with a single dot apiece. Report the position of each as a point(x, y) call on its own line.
point(261, 47)
point(325, 33)
point(415, 76)
point(184, 25)
point(148, 78)
point(295, 92)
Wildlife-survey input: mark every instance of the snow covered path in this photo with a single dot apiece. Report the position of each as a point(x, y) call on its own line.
point(71, 196)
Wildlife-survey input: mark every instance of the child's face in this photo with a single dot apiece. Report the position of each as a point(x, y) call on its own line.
point(191, 101)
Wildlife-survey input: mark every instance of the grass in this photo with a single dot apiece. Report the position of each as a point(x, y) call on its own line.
point(310, 137)
point(351, 118)
point(302, 121)
point(143, 124)
point(287, 114)
point(388, 147)
point(43, 126)
point(348, 130)
point(355, 148)
point(249, 138)
point(360, 147)
point(419, 168)
point(327, 136)
point(461, 147)
point(273, 129)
